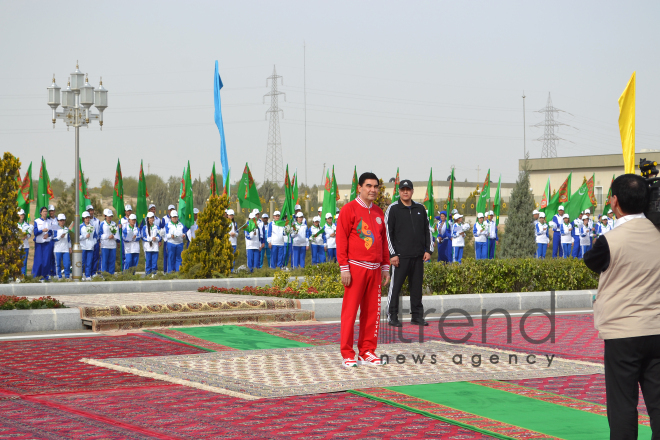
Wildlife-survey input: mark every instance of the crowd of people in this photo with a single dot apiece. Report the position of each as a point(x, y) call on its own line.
point(100, 239)
point(450, 236)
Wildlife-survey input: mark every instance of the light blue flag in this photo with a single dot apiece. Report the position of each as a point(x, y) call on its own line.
point(218, 121)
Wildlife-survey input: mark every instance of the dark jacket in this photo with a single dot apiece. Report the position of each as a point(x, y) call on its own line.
point(408, 231)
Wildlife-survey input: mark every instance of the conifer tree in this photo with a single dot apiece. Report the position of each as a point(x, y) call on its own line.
point(519, 239)
point(11, 257)
point(210, 253)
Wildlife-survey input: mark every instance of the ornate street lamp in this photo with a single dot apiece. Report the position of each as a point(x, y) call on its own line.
point(76, 101)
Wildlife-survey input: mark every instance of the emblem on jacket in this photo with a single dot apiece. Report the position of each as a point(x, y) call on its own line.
point(378, 220)
point(365, 233)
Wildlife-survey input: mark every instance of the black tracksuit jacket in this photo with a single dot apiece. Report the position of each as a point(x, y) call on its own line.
point(408, 232)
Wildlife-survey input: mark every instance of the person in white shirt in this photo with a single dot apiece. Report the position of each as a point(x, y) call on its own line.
point(252, 242)
point(88, 238)
point(193, 229)
point(300, 243)
point(174, 232)
point(330, 238)
point(150, 234)
point(53, 226)
point(566, 235)
point(265, 250)
point(316, 236)
point(492, 235)
point(96, 256)
point(42, 250)
point(62, 249)
point(535, 216)
point(128, 210)
point(275, 239)
point(542, 236)
point(163, 225)
point(109, 234)
point(586, 232)
point(233, 233)
point(604, 226)
point(480, 232)
point(610, 218)
point(131, 238)
point(458, 238)
point(25, 230)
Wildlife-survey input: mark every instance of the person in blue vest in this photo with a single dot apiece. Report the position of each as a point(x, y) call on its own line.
point(566, 236)
point(557, 221)
point(42, 248)
point(458, 238)
point(275, 239)
point(163, 225)
point(317, 240)
point(96, 252)
point(480, 232)
point(131, 239)
point(62, 249)
point(542, 236)
point(109, 234)
point(493, 238)
point(174, 231)
point(444, 237)
point(89, 235)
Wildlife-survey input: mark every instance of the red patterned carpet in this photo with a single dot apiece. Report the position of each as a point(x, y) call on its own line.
point(45, 393)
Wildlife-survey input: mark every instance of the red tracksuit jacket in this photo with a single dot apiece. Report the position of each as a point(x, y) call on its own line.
point(361, 237)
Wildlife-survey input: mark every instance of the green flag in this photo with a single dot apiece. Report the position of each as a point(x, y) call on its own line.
point(186, 204)
point(26, 193)
point(484, 198)
point(497, 204)
point(561, 197)
point(582, 199)
point(83, 197)
point(450, 196)
point(546, 197)
point(287, 211)
point(248, 197)
point(329, 197)
point(118, 193)
point(226, 189)
point(429, 201)
point(213, 186)
point(44, 191)
point(334, 187)
point(395, 192)
point(607, 201)
point(251, 225)
point(141, 207)
point(354, 185)
point(294, 190)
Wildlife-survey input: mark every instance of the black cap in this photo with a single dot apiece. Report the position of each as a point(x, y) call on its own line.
point(405, 184)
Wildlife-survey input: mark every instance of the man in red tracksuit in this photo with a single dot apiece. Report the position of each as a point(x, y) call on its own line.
point(364, 261)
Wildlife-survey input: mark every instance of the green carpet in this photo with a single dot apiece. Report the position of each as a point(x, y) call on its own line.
point(240, 338)
point(535, 415)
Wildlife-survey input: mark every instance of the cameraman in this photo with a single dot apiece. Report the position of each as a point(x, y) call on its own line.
point(627, 308)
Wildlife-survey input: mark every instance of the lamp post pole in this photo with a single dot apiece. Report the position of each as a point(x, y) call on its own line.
point(75, 95)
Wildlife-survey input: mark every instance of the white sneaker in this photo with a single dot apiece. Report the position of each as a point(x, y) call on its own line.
point(370, 359)
point(349, 363)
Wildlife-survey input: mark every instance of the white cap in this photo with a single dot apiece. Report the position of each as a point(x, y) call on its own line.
point(459, 215)
point(61, 217)
point(561, 208)
point(300, 214)
point(151, 206)
point(171, 207)
point(255, 210)
point(320, 208)
point(230, 212)
point(195, 211)
point(480, 215)
point(89, 207)
point(128, 208)
point(264, 215)
point(565, 216)
point(297, 207)
point(454, 211)
point(251, 215)
point(51, 208)
point(132, 217)
point(316, 218)
point(174, 213)
point(21, 212)
point(542, 215)
point(535, 212)
point(587, 211)
point(85, 214)
point(328, 215)
point(108, 212)
point(491, 213)
point(609, 211)
point(276, 213)
point(150, 214)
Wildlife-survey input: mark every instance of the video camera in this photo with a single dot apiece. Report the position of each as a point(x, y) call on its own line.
point(650, 173)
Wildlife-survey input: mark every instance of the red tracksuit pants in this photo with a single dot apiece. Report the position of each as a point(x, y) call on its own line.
point(363, 292)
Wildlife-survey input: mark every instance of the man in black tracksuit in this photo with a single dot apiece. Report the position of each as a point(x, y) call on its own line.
point(410, 243)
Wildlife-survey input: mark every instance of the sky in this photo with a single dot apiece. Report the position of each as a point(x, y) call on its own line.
point(414, 85)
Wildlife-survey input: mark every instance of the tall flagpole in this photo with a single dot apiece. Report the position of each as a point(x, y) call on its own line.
point(305, 102)
point(524, 128)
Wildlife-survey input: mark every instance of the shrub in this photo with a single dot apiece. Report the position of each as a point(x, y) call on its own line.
point(11, 257)
point(12, 302)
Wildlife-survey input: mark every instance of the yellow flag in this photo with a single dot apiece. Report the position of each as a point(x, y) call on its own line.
point(627, 125)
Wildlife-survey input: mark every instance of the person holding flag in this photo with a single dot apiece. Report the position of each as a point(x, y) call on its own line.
point(276, 243)
point(174, 231)
point(557, 236)
point(252, 242)
point(26, 230)
point(151, 238)
point(42, 250)
point(443, 231)
point(317, 239)
point(542, 237)
point(88, 238)
point(493, 238)
point(480, 232)
point(96, 252)
point(330, 231)
point(131, 238)
point(299, 241)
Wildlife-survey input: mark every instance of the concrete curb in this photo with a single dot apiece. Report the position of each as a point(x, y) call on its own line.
point(90, 288)
point(436, 305)
point(17, 321)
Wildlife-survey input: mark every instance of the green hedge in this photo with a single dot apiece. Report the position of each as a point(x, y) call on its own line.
point(508, 275)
